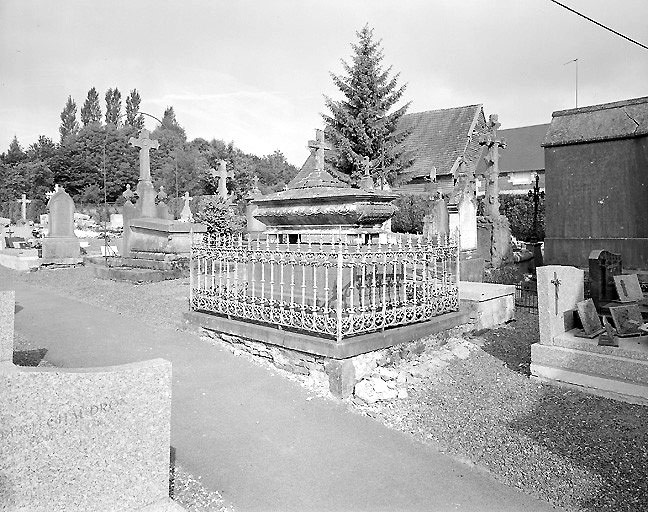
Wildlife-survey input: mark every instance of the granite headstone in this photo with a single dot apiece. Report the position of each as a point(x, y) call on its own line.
point(61, 243)
point(560, 288)
point(628, 288)
point(603, 266)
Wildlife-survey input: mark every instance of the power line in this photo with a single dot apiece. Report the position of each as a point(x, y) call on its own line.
point(600, 25)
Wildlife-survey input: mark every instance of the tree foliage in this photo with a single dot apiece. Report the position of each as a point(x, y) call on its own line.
point(91, 110)
point(133, 117)
point(69, 124)
point(113, 106)
point(361, 124)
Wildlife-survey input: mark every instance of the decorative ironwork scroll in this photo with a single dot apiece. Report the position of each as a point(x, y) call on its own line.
point(335, 290)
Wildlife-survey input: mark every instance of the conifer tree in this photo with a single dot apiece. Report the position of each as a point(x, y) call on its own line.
point(113, 106)
point(361, 124)
point(91, 110)
point(133, 117)
point(15, 154)
point(69, 124)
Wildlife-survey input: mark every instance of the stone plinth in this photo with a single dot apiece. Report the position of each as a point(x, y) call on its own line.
point(162, 236)
point(61, 249)
point(620, 373)
point(492, 304)
point(19, 259)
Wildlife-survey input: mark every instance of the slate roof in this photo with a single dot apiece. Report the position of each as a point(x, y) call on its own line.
point(609, 121)
point(308, 176)
point(523, 150)
point(440, 137)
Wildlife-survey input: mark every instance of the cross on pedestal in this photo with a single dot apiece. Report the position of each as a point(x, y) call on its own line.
point(556, 282)
point(493, 143)
point(145, 144)
point(320, 146)
point(23, 206)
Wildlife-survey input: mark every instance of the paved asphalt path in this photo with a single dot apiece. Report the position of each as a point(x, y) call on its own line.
point(264, 442)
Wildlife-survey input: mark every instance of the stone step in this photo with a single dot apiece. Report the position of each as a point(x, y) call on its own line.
point(146, 255)
point(146, 263)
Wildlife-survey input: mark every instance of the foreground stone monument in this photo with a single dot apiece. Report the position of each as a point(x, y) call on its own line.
point(61, 244)
point(494, 228)
point(619, 371)
point(84, 439)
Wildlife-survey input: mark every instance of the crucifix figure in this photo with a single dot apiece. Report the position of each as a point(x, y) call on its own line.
point(23, 207)
point(128, 193)
point(491, 141)
point(320, 146)
point(145, 144)
point(556, 282)
point(366, 182)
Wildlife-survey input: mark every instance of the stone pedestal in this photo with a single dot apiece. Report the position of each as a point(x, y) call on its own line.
point(491, 304)
point(61, 249)
point(162, 236)
point(471, 266)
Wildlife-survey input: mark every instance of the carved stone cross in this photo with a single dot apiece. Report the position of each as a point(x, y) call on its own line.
point(145, 144)
point(23, 206)
point(556, 282)
point(493, 143)
point(320, 146)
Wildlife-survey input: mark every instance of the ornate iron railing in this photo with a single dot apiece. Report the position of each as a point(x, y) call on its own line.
point(328, 289)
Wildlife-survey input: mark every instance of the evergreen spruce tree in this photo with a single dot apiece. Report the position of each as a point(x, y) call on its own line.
point(15, 154)
point(69, 124)
point(113, 106)
point(361, 125)
point(133, 117)
point(91, 110)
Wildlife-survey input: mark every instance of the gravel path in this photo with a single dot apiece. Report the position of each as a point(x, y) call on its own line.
point(574, 450)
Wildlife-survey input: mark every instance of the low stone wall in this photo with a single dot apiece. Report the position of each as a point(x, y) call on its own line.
point(342, 375)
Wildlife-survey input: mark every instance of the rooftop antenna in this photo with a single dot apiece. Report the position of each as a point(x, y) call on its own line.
point(576, 61)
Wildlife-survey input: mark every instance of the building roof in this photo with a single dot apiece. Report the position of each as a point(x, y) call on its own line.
point(608, 121)
point(523, 150)
point(440, 137)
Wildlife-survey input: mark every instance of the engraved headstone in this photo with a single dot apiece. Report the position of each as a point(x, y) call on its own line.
point(23, 207)
point(61, 243)
point(589, 318)
point(628, 288)
point(608, 337)
point(627, 319)
point(435, 223)
point(83, 439)
point(603, 266)
point(186, 215)
point(560, 288)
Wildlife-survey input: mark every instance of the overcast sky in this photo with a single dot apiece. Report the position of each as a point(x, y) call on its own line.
point(254, 72)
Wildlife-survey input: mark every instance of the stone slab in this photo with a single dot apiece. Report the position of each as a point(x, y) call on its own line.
point(322, 346)
point(556, 315)
point(7, 302)
point(20, 259)
point(134, 275)
point(92, 439)
point(492, 304)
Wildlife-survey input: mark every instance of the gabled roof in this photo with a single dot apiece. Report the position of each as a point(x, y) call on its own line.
point(609, 121)
point(523, 150)
point(440, 137)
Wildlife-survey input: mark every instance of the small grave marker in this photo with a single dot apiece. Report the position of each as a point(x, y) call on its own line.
point(627, 319)
point(592, 326)
point(628, 288)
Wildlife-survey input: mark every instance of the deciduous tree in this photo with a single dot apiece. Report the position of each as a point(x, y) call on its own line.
point(91, 110)
point(133, 117)
point(69, 124)
point(113, 106)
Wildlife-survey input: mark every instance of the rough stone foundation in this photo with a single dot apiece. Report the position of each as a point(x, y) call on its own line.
point(342, 374)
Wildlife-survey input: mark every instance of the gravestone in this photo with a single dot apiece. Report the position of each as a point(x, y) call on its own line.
point(162, 207)
point(608, 337)
point(463, 216)
point(145, 191)
point(253, 225)
point(589, 318)
point(83, 439)
point(221, 175)
point(627, 319)
point(61, 244)
point(628, 288)
point(23, 207)
point(603, 266)
point(436, 222)
point(559, 290)
point(129, 212)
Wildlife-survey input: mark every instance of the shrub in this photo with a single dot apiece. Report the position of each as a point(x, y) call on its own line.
point(220, 218)
point(519, 211)
point(411, 210)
